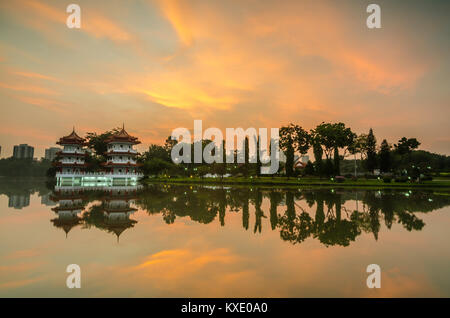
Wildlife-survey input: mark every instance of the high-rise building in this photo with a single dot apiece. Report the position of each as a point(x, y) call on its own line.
point(50, 153)
point(19, 201)
point(23, 151)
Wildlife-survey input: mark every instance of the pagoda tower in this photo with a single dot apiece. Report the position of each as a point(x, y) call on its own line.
point(121, 157)
point(71, 159)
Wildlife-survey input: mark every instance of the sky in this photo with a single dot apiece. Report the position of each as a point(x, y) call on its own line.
point(160, 64)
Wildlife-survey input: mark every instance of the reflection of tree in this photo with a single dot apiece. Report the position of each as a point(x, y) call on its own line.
point(332, 223)
point(258, 212)
point(322, 214)
point(275, 200)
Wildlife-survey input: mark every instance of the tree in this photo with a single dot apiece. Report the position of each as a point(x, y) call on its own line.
point(156, 151)
point(309, 169)
point(258, 158)
point(293, 138)
point(287, 146)
point(385, 156)
point(371, 161)
point(406, 146)
point(332, 137)
point(97, 143)
point(360, 146)
point(157, 166)
point(318, 153)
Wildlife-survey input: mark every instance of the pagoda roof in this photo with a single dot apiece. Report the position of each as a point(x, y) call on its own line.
point(121, 153)
point(72, 138)
point(119, 210)
point(122, 136)
point(67, 164)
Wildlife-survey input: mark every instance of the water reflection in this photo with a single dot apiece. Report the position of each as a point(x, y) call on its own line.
point(323, 214)
point(110, 209)
point(331, 216)
point(19, 191)
point(334, 217)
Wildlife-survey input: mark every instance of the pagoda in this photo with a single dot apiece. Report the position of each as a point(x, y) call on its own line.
point(71, 159)
point(121, 157)
point(120, 168)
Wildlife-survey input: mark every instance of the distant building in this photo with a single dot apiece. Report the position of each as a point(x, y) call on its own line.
point(50, 153)
point(46, 200)
point(23, 151)
point(18, 201)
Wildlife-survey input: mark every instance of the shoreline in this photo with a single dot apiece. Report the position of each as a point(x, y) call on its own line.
point(444, 184)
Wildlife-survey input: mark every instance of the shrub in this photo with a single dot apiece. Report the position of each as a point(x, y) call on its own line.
point(340, 179)
point(387, 179)
point(401, 179)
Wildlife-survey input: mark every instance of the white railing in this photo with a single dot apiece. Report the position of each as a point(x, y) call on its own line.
point(125, 162)
point(98, 174)
point(67, 162)
point(71, 152)
point(121, 151)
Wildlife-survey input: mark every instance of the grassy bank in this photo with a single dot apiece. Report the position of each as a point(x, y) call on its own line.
point(283, 181)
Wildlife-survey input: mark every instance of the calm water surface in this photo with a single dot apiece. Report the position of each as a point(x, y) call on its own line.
point(212, 241)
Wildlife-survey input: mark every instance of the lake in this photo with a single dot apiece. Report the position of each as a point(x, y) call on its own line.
point(222, 241)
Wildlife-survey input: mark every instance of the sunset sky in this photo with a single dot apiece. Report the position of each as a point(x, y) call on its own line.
point(158, 65)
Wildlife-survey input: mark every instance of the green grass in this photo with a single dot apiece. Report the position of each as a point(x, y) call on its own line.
point(283, 181)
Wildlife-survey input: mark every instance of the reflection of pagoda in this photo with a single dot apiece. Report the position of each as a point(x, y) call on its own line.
point(70, 205)
point(117, 209)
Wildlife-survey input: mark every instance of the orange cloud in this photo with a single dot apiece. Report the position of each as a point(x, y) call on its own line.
point(34, 75)
point(177, 15)
point(29, 88)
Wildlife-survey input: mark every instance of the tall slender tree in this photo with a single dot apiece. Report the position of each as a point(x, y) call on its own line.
point(385, 156)
point(371, 161)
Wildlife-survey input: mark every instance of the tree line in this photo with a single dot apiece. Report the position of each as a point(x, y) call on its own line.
point(331, 143)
